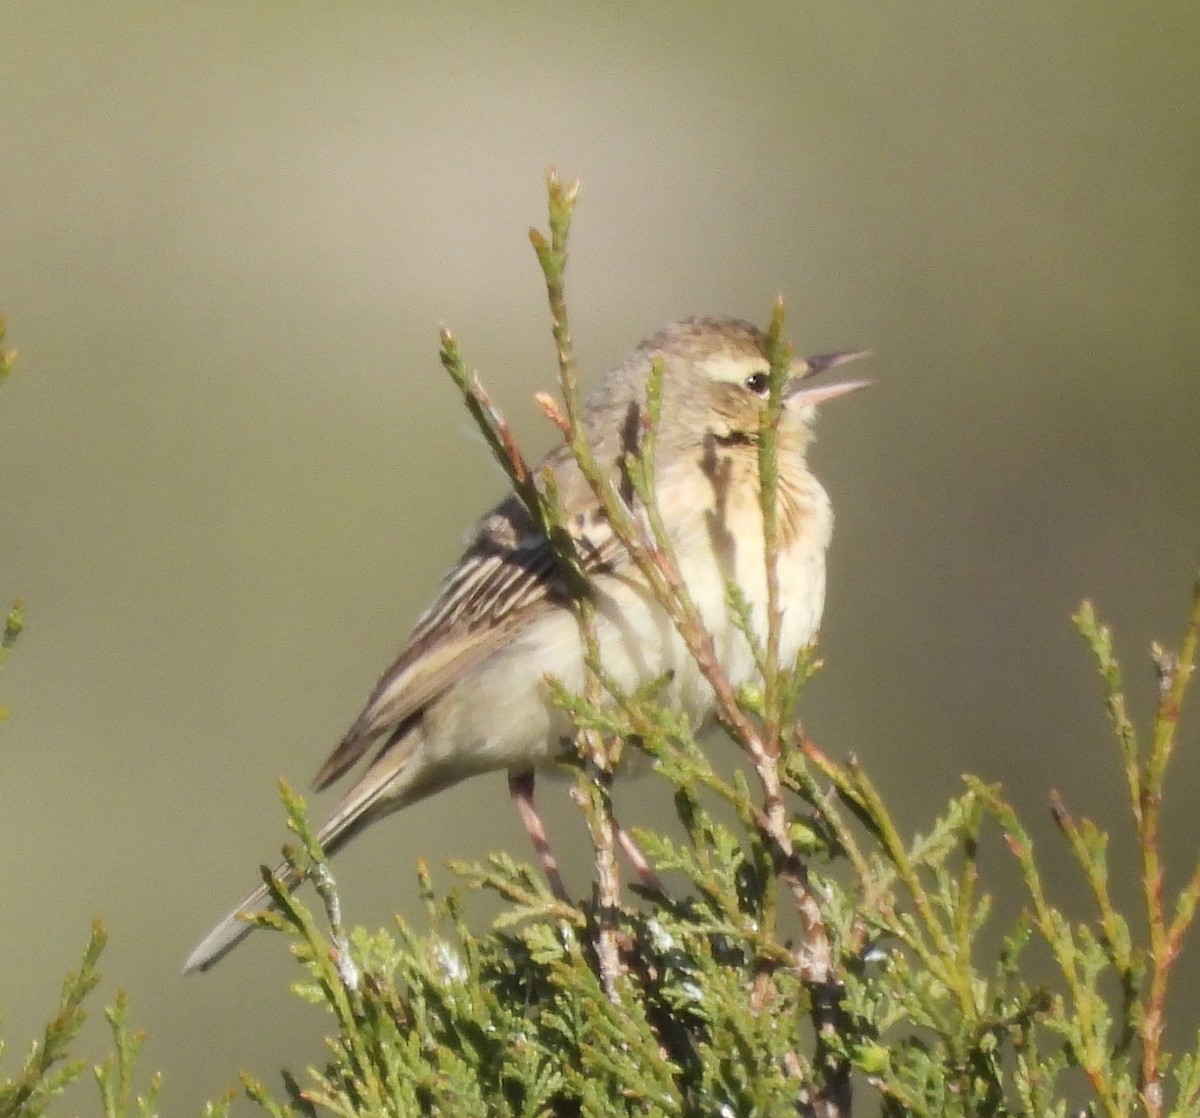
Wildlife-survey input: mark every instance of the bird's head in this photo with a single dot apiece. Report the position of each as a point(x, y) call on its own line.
point(716, 382)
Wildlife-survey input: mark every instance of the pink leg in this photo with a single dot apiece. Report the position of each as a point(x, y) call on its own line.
point(520, 788)
point(636, 858)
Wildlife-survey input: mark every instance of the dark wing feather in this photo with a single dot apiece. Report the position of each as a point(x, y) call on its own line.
point(507, 575)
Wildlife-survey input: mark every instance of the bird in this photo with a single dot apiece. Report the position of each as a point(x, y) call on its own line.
point(467, 694)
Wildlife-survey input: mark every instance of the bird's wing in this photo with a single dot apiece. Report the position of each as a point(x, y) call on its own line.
point(508, 575)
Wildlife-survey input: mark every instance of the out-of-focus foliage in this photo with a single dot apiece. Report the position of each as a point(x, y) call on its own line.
point(14, 621)
point(50, 1066)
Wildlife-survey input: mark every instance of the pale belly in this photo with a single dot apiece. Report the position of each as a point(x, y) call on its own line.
point(508, 719)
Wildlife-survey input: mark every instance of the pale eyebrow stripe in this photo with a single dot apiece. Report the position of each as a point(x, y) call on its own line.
point(731, 367)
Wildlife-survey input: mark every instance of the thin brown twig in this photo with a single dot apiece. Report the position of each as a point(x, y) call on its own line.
point(1175, 673)
point(640, 529)
point(593, 793)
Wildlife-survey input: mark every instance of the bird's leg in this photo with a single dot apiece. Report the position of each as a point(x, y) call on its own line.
point(520, 788)
point(635, 857)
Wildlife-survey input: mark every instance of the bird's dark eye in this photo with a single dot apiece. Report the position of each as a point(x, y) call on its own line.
point(758, 383)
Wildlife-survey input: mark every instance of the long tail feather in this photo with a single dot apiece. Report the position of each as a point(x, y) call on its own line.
point(396, 778)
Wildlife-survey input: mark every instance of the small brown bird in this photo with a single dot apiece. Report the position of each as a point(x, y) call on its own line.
point(467, 693)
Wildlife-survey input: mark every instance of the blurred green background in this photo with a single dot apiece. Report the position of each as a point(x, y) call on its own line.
point(233, 471)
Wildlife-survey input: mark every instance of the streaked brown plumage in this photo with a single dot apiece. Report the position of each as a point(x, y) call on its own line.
point(466, 694)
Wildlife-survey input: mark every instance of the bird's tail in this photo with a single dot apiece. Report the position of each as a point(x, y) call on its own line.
point(234, 928)
point(396, 778)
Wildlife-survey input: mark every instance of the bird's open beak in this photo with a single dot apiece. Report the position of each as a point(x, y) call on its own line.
point(805, 394)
